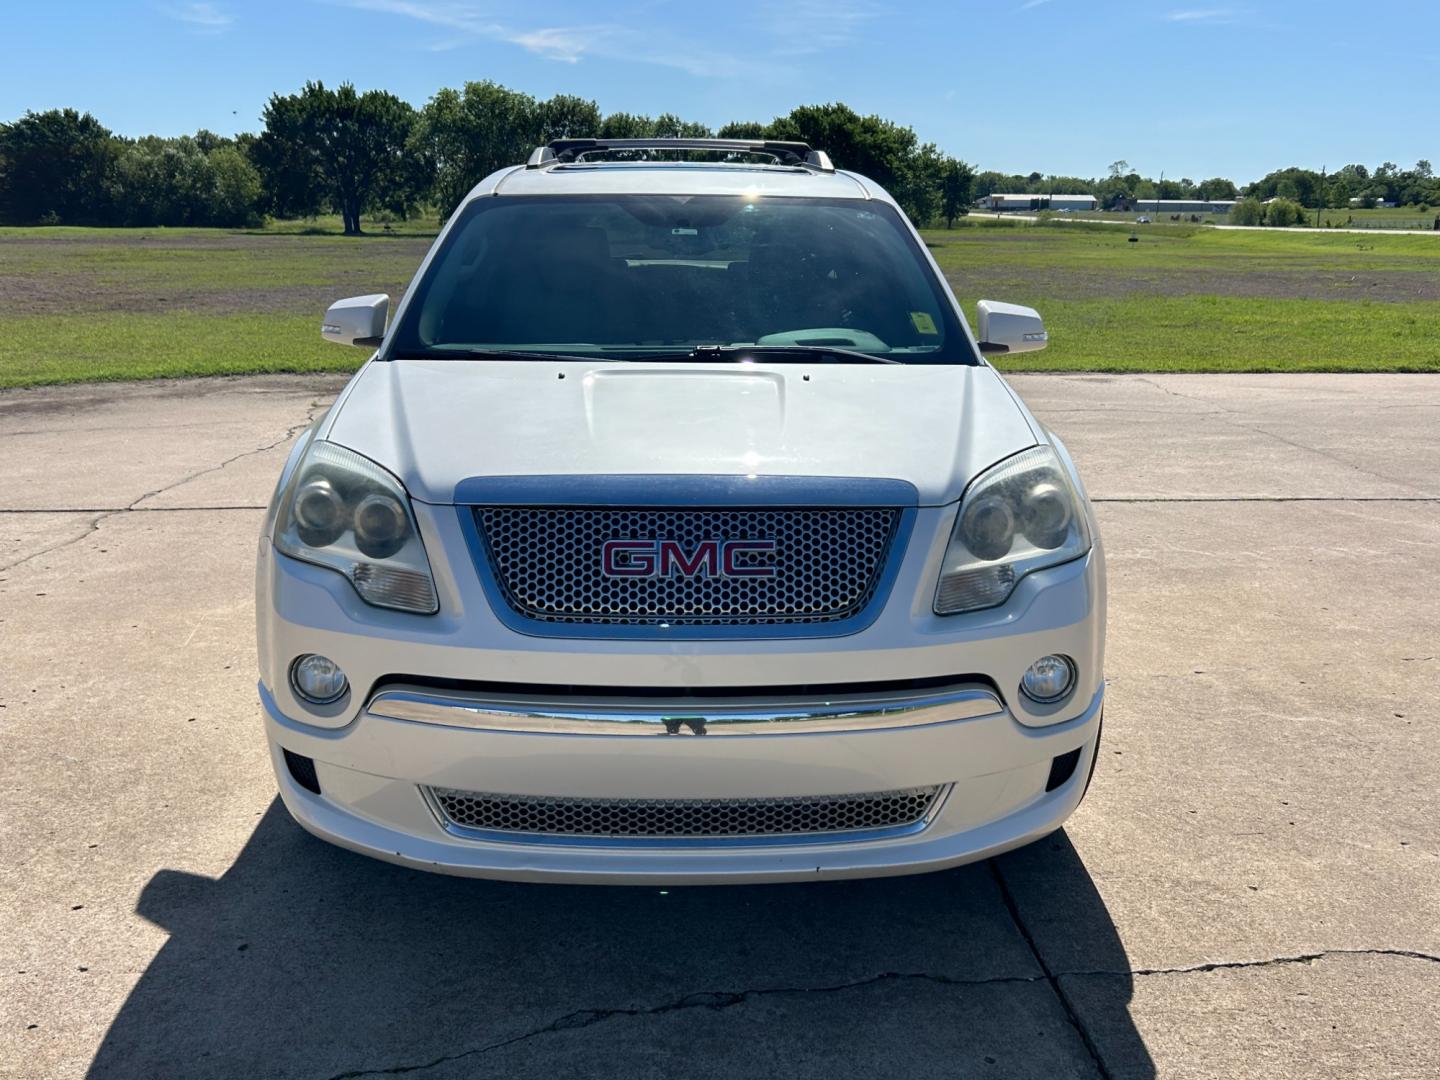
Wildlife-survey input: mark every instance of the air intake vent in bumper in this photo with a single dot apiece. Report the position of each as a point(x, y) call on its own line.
point(520, 817)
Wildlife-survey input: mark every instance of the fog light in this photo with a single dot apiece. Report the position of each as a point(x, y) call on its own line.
point(1048, 679)
point(318, 679)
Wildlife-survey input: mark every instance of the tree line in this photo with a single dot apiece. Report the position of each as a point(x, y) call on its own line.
point(372, 154)
point(1307, 188)
point(356, 154)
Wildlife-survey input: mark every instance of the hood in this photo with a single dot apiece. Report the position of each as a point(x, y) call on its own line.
point(435, 423)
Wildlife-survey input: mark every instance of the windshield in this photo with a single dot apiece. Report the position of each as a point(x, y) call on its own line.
point(654, 276)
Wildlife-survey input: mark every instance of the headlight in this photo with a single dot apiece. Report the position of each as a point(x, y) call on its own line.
point(1021, 515)
point(345, 512)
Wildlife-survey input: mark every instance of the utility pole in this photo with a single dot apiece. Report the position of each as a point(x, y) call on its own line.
point(1320, 202)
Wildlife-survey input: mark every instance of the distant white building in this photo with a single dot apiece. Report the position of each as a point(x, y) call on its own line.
point(1185, 206)
point(1039, 202)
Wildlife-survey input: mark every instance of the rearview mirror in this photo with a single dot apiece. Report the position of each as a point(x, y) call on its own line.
point(1010, 328)
point(360, 320)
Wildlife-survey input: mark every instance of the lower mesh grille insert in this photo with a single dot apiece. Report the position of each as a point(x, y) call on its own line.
point(790, 816)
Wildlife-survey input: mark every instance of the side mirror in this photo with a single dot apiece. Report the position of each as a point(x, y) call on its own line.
point(1010, 328)
point(360, 320)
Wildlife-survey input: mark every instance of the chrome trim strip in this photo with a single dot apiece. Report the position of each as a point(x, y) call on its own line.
point(745, 716)
point(854, 836)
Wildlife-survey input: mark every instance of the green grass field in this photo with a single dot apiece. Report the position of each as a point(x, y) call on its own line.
point(1184, 298)
point(92, 304)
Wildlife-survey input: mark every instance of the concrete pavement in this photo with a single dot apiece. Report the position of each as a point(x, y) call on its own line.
point(1251, 888)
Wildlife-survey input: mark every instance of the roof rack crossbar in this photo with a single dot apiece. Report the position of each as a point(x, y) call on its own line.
point(783, 153)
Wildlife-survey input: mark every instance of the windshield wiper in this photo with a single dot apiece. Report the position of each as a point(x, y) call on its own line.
point(717, 353)
point(798, 353)
point(491, 354)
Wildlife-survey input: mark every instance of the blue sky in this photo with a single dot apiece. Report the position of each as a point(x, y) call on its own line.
point(1192, 87)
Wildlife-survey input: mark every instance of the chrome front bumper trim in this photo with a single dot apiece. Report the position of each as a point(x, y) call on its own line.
point(738, 716)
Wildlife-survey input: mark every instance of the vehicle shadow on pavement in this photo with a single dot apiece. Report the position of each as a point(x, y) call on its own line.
point(304, 960)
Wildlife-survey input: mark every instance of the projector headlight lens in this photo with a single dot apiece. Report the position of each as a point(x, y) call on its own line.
point(380, 526)
point(319, 512)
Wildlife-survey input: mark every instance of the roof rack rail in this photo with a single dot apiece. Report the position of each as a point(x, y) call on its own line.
point(562, 151)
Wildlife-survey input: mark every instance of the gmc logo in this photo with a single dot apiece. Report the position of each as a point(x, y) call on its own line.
point(667, 558)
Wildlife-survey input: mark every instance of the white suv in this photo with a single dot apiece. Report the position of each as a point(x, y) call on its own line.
point(679, 532)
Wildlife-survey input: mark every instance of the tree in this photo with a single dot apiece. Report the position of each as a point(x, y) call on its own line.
point(1282, 213)
point(338, 148)
point(867, 144)
point(1296, 184)
point(870, 145)
point(238, 193)
point(920, 178)
point(55, 167)
point(565, 116)
point(1216, 188)
point(467, 134)
point(1248, 211)
point(670, 126)
point(956, 184)
point(175, 182)
point(743, 129)
point(624, 125)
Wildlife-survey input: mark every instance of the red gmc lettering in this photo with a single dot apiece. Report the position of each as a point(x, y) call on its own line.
point(628, 558)
point(668, 558)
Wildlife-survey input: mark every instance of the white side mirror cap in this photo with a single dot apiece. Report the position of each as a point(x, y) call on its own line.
point(360, 320)
point(1010, 328)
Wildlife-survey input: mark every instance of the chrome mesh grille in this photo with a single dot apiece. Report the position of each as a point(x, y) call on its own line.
point(680, 818)
point(827, 564)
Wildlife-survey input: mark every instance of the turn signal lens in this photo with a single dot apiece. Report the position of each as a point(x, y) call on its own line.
point(1048, 679)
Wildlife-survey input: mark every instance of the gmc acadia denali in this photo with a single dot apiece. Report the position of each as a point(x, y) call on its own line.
point(678, 531)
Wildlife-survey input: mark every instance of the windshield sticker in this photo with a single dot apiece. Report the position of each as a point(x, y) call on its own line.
point(923, 322)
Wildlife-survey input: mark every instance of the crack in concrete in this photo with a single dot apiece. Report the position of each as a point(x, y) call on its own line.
point(1062, 998)
point(290, 433)
point(716, 1000)
point(1274, 961)
point(725, 999)
point(93, 526)
point(1214, 408)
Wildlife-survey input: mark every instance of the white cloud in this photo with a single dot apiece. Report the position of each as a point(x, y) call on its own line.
point(205, 17)
point(804, 27)
point(565, 44)
point(1032, 4)
point(1212, 16)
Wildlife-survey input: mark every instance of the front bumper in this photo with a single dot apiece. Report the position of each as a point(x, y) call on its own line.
point(994, 764)
point(994, 771)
